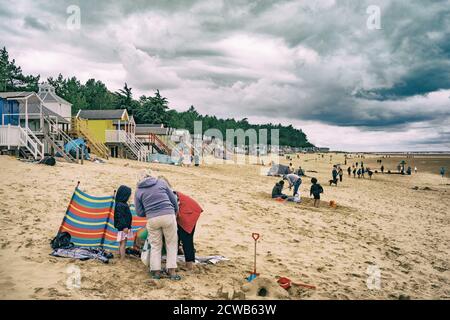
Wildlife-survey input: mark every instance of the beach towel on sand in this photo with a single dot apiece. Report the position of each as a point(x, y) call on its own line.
point(83, 254)
point(202, 260)
point(145, 257)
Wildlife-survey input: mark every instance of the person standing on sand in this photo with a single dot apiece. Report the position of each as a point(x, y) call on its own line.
point(354, 172)
point(187, 218)
point(415, 169)
point(123, 218)
point(341, 174)
point(382, 169)
point(359, 173)
point(315, 191)
point(196, 160)
point(442, 172)
point(349, 171)
point(156, 201)
point(335, 174)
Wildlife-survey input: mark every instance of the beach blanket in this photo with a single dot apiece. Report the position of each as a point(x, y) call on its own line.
point(201, 260)
point(83, 254)
point(146, 250)
point(90, 222)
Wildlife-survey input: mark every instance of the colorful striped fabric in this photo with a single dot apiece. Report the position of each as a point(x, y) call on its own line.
point(90, 221)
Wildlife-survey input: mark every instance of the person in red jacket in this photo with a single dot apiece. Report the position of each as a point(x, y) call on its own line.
point(188, 215)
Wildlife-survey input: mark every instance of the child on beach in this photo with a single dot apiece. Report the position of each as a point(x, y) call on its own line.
point(316, 190)
point(123, 218)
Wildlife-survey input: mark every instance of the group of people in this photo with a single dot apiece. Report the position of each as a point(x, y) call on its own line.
point(171, 219)
point(295, 182)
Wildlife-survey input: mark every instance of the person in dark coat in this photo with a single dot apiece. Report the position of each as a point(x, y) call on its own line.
point(315, 191)
point(277, 191)
point(123, 218)
point(335, 174)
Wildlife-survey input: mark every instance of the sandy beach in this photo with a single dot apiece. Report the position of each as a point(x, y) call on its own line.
point(398, 224)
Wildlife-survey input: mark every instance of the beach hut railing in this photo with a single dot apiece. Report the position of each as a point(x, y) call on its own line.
point(9, 136)
point(136, 147)
point(31, 142)
point(81, 129)
point(16, 136)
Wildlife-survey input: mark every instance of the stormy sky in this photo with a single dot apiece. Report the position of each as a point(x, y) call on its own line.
point(352, 80)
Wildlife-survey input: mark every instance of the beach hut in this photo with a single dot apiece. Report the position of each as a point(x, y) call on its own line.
point(55, 103)
point(156, 137)
point(28, 127)
point(110, 132)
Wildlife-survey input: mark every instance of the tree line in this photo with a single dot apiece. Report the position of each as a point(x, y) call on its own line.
point(93, 94)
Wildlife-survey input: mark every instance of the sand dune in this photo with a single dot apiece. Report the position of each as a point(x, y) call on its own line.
point(386, 222)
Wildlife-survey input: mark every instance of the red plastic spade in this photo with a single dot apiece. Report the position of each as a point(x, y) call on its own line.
point(254, 274)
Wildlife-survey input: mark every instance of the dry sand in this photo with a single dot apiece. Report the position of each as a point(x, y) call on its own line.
point(384, 223)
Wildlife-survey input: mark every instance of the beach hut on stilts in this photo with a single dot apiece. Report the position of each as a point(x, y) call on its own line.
point(32, 127)
point(110, 133)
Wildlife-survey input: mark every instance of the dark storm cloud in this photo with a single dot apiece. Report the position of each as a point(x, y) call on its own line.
point(34, 23)
point(300, 60)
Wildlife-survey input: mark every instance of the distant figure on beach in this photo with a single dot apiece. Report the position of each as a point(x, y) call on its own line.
point(294, 181)
point(442, 172)
point(409, 171)
point(382, 169)
point(363, 171)
point(354, 172)
point(291, 168)
point(359, 173)
point(300, 172)
point(415, 169)
point(315, 191)
point(334, 175)
point(187, 160)
point(341, 174)
point(277, 191)
point(370, 173)
point(357, 164)
point(349, 171)
point(155, 200)
point(123, 218)
point(197, 160)
point(181, 160)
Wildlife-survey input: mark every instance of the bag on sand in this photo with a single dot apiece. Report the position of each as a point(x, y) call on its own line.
point(49, 161)
point(145, 254)
point(62, 241)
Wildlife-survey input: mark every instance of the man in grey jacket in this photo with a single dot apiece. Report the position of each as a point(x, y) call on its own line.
point(294, 181)
point(155, 200)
